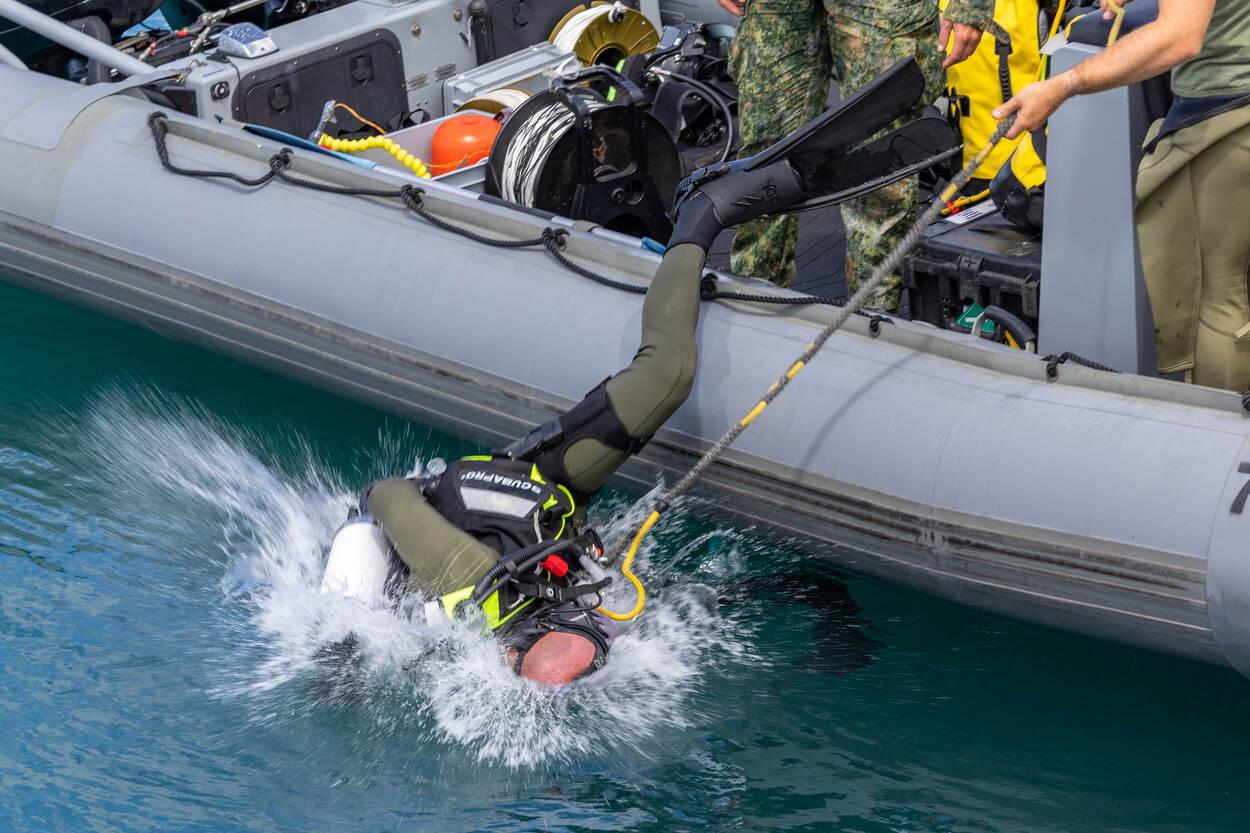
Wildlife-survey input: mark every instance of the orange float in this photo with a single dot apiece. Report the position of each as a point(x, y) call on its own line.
point(461, 140)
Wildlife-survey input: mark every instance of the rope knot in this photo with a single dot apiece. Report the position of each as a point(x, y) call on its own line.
point(874, 324)
point(1052, 365)
point(555, 238)
point(707, 287)
point(280, 161)
point(412, 197)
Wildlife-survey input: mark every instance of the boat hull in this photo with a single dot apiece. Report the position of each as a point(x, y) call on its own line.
point(1098, 503)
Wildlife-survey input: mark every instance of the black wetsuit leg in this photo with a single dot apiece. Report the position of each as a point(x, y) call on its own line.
point(442, 558)
point(654, 385)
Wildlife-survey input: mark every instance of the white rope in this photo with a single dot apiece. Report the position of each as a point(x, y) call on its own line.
point(530, 147)
point(570, 33)
point(496, 100)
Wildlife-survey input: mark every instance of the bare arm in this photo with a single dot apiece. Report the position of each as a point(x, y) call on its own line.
point(1173, 38)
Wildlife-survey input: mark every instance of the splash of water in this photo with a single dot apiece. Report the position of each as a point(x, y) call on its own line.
point(269, 508)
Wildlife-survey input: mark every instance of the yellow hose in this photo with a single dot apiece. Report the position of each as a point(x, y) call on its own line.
point(356, 145)
point(629, 559)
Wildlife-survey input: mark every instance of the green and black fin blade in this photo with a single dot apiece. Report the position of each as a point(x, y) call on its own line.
point(871, 108)
point(828, 160)
point(900, 153)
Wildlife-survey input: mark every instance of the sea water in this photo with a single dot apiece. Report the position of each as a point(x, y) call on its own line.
point(164, 517)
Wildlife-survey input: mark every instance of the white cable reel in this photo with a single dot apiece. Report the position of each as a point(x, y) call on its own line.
point(494, 101)
point(605, 33)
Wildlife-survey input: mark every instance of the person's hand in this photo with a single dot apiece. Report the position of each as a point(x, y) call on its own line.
point(1107, 11)
point(1033, 105)
point(963, 39)
point(734, 7)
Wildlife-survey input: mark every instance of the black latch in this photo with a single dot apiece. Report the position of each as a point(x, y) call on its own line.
point(521, 13)
point(279, 98)
point(361, 67)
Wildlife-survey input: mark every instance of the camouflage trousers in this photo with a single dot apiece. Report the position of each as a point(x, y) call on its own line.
point(782, 58)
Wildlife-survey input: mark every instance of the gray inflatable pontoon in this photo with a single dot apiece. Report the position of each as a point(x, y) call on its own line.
point(1107, 504)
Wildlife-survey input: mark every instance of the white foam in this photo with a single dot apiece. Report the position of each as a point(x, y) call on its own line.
point(445, 681)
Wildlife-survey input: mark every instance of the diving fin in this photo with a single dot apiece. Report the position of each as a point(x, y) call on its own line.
point(819, 164)
point(900, 153)
point(873, 106)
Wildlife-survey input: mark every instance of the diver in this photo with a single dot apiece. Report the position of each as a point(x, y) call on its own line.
point(506, 532)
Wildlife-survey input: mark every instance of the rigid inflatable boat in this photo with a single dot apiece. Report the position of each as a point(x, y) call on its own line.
point(1107, 503)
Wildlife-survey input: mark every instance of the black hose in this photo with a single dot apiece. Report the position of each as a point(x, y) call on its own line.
point(713, 97)
point(1020, 331)
point(515, 562)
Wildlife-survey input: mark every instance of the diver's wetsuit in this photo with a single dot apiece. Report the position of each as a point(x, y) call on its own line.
point(443, 558)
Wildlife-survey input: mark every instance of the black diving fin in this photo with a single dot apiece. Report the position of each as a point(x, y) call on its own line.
point(827, 161)
point(834, 132)
point(911, 148)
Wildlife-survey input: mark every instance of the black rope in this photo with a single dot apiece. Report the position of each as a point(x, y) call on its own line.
point(1245, 400)
point(413, 198)
point(775, 300)
point(554, 239)
point(346, 190)
point(1055, 359)
point(156, 123)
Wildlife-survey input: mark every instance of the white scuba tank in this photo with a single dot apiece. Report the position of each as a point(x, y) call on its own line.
point(359, 562)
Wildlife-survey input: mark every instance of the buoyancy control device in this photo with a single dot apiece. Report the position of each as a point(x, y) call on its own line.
point(1019, 186)
point(531, 579)
point(506, 504)
point(1007, 59)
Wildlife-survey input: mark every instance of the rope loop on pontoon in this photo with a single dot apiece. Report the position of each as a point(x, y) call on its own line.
point(1055, 359)
point(157, 123)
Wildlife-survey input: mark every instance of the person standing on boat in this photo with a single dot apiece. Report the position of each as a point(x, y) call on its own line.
point(781, 60)
point(1193, 184)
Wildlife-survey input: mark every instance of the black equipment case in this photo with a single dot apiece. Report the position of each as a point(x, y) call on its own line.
point(985, 261)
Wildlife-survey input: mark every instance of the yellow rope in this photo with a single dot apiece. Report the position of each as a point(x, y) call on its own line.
point(1119, 18)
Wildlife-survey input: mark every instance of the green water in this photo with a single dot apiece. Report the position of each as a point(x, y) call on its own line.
point(163, 517)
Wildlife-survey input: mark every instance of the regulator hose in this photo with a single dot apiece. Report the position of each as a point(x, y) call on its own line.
point(515, 562)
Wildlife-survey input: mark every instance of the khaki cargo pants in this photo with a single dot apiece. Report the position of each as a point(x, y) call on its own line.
point(1193, 229)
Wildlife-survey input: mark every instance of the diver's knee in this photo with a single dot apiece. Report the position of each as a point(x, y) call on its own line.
point(379, 496)
point(673, 374)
